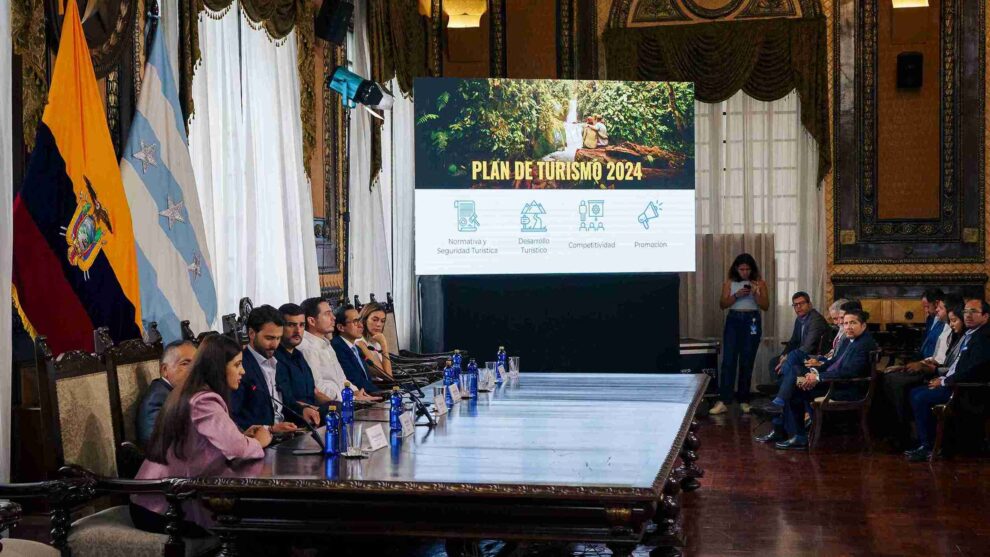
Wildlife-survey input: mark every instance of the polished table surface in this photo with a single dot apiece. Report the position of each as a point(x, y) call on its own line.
point(545, 456)
point(604, 434)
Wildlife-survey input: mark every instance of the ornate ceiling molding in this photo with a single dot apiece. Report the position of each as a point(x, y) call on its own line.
point(644, 13)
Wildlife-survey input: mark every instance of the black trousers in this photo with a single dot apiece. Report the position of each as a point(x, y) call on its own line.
point(896, 387)
point(153, 522)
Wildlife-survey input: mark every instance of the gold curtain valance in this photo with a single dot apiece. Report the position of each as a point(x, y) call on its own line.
point(766, 59)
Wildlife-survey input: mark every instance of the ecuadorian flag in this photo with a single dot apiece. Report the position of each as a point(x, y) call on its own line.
point(75, 266)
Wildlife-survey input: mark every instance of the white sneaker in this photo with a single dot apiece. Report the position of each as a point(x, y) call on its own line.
point(719, 408)
point(745, 407)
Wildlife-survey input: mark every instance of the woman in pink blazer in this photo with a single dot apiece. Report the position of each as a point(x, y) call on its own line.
point(194, 435)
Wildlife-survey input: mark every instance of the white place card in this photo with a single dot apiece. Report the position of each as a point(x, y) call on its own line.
point(374, 438)
point(439, 405)
point(408, 425)
point(455, 393)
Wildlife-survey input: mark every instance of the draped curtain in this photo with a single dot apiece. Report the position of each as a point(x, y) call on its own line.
point(755, 171)
point(764, 58)
point(6, 239)
point(255, 196)
point(368, 265)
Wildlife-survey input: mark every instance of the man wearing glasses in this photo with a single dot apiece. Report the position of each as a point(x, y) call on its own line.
point(348, 328)
point(809, 328)
point(972, 366)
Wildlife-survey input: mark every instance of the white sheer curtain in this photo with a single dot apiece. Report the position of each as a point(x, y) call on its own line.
point(756, 173)
point(246, 146)
point(368, 268)
point(398, 186)
point(6, 238)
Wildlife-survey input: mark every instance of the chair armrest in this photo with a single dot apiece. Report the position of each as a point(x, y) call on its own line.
point(10, 514)
point(970, 385)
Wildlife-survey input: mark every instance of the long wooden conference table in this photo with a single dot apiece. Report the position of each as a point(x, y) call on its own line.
point(545, 456)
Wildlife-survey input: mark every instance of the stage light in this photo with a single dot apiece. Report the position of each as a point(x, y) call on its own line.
point(355, 89)
point(333, 19)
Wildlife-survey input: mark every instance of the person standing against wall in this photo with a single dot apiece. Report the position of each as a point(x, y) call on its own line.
point(745, 295)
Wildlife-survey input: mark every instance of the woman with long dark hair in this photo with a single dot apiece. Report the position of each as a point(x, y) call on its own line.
point(745, 295)
point(195, 436)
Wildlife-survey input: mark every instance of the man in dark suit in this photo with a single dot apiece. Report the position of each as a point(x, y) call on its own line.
point(972, 366)
point(266, 385)
point(174, 367)
point(850, 361)
point(810, 328)
point(293, 362)
point(348, 329)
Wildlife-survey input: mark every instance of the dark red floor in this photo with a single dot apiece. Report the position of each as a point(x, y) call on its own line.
point(756, 500)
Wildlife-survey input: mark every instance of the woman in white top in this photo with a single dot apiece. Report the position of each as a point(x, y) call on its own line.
point(745, 295)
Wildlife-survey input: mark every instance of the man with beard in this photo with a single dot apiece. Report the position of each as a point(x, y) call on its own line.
point(266, 385)
point(300, 375)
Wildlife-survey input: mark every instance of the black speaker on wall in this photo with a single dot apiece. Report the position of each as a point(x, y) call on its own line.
point(333, 19)
point(909, 66)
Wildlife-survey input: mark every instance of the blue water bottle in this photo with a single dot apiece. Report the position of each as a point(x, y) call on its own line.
point(394, 424)
point(332, 439)
point(347, 410)
point(457, 359)
point(472, 374)
point(500, 365)
point(448, 380)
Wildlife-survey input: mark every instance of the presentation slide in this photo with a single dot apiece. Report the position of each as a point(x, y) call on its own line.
point(517, 176)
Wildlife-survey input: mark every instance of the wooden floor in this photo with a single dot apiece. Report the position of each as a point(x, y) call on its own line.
point(756, 500)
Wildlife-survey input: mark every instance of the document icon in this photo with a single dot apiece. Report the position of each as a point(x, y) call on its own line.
point(467, 216)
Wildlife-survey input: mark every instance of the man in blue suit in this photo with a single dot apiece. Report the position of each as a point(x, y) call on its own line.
point(266, 385)
point(972, 366)
point(292, 361)
point(174, 366)
point(851, 360)
point(348, 329)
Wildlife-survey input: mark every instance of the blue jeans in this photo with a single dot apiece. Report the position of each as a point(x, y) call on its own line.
point(739, 350)
point(922, 401)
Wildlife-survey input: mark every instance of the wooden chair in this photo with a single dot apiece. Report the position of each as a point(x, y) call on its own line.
point(824, 404)
point(132, 365)
point(78, 424)
point(945, 412)
point(10, 515)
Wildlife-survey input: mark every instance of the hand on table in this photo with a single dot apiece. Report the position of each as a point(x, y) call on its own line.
point(260, 434)
point(284, 427)
point(311, 415)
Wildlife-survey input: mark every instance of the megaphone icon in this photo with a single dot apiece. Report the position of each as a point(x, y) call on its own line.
point(651, 212)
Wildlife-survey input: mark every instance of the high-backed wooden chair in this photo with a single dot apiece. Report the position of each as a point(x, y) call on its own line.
point(824, 404)
point(391, 330)
point(132, 365)
point(10, 515)
point(79, 425)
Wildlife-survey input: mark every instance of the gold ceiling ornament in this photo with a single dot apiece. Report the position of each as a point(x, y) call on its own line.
point(464, 14)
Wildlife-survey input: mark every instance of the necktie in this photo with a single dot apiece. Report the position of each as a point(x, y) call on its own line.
point(836, 364)
point(357, 354)
point(962, 348)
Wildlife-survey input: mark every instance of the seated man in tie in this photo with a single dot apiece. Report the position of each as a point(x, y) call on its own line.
point(971, 366)
point(292, 361)
point(933, 326)
point(809, 329)
point(328, 375)
point(851, 360)
point(267, 385)
point(176, 360)
point(348, 330)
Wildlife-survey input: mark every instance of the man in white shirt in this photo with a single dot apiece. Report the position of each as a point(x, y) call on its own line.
point(315, 347)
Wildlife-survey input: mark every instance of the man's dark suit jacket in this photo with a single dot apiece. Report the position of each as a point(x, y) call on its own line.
point(251, 404)
point(810, 342)
point(973, 365)
point(354, 369)
point(855, 362)
point(151, 404)
point(301, 380)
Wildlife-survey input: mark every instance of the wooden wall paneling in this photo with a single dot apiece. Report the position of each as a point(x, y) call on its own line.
point(531, 39)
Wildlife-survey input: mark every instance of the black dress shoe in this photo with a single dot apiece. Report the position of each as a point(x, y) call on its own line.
point(910, 452)
point(792, 444)
point(765, 409)
point(772, 437)
point(921, 454)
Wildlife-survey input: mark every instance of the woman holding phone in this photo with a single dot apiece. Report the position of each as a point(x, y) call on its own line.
point(745, 295)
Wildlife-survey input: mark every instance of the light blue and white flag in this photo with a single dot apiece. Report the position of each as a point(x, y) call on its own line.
point(173, 257)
